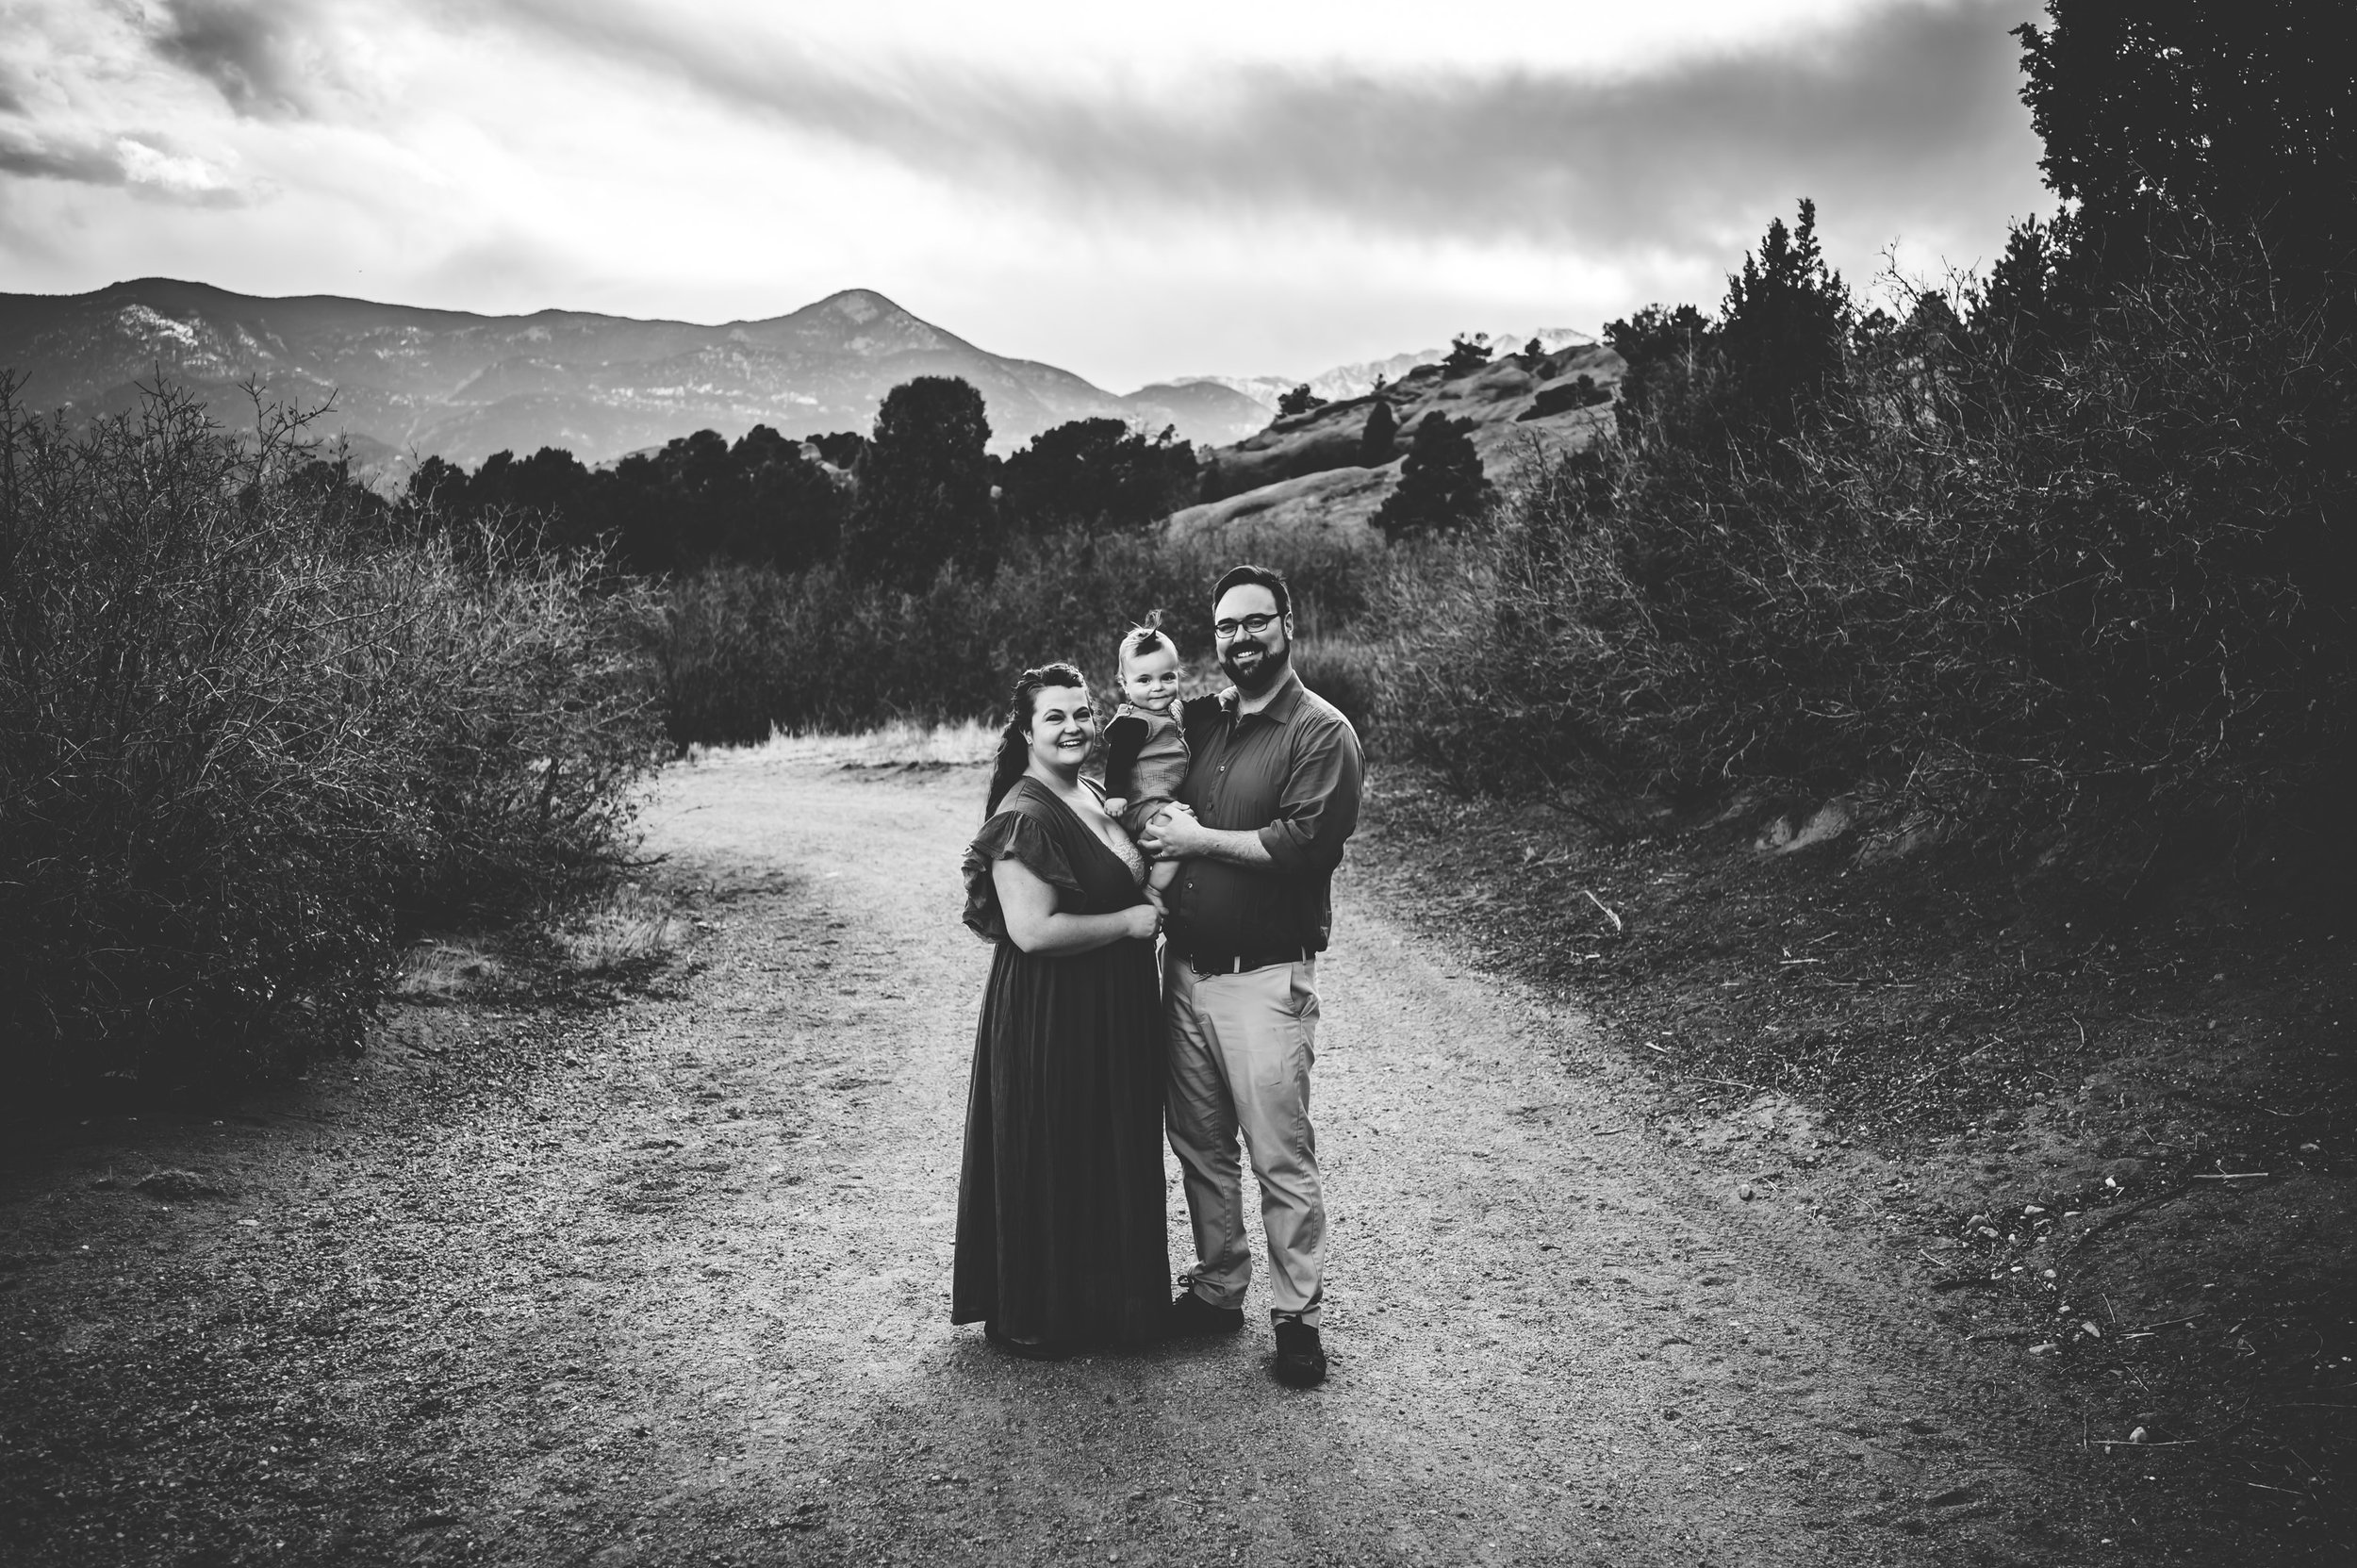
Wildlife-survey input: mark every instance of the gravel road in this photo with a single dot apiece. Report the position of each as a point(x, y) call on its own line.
point(676, 1289)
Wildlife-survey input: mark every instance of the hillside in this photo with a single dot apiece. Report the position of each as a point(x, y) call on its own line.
point(1309, 470)
point(462, 386)
point(1358, 379)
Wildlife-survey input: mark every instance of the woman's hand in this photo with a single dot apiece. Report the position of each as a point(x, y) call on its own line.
point(1144, 921)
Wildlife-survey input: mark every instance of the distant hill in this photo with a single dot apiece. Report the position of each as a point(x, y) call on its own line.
point(1355, 381)
point(1306, 473)
point(463, 386)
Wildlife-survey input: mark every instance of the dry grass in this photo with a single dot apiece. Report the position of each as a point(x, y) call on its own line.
point(445, 970)
point(900, 743)
point(631, 927)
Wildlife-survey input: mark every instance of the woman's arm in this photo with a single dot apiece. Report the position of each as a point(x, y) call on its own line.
point(1033, 922)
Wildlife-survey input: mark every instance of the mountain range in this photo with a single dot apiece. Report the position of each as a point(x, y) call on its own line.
point(406, 381)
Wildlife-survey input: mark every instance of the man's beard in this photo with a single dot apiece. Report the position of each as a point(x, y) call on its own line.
point(1273, 666)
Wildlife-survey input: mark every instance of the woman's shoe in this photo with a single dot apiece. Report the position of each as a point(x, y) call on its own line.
point(1030, 1349)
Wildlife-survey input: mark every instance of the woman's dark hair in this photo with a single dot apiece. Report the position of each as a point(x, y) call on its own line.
point(1236, 576)
point(1014, 741)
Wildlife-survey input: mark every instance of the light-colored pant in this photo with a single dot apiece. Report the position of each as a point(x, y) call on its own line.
point(1241, 1047)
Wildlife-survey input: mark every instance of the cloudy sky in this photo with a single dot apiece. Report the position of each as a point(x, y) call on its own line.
point(1132, 192)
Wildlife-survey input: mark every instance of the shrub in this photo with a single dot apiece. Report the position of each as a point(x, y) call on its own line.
point(2125, 580)
point(237, 743)
point(1346, 671)
point(744, 651)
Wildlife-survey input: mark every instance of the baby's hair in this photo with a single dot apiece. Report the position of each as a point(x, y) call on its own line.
point(1141, 639)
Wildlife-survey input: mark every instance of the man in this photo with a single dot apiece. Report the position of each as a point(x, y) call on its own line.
point(1271, 794)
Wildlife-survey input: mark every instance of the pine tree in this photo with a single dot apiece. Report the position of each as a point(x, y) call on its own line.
point(1466, 354)
point(1442, 486)
point(1375, 442)
point(924, 487)
point(1786, 317)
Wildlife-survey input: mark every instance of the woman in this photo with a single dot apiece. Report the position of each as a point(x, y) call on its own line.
point(1062, 1238)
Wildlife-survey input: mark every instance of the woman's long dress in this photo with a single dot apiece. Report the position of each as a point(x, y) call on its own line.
point(1061, 1235)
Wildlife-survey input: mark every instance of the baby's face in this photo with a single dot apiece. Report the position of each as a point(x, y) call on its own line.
point(1150, 681)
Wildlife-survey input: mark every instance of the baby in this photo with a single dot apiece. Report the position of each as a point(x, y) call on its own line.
point(1145, 750)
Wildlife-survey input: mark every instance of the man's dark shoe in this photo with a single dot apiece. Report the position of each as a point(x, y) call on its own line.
point(1300, 1359)
point(1191, 1315)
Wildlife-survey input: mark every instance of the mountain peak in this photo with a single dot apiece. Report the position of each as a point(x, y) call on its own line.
point(860, 305)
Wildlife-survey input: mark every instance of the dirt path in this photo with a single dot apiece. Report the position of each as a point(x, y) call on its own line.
point(668, 1282)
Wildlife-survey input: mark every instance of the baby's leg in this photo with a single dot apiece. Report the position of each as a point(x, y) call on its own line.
point(1160, 875)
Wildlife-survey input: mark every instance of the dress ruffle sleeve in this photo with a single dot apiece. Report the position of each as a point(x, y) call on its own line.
point(1017, 834)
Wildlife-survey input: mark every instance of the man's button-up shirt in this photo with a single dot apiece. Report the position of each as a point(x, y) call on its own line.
point(1290, 772)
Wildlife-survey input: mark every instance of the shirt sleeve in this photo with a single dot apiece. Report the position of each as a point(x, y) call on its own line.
point(1318, 808)
point(1011, 835)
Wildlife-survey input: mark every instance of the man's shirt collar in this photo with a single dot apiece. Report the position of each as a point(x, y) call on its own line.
point(1281, 708)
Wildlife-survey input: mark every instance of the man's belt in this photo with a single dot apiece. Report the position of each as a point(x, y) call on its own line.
point(1235, 963)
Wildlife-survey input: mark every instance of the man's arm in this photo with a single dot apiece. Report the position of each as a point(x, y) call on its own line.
point(1319, 806)
point(1176, 835)
point(1316, 811)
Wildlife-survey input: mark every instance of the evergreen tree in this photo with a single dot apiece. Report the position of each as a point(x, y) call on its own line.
point(2244, 114)
point(1299, 401)
point(1382, 431)
point(1442, 486)
point(924, 487)
point(1661, 347)
point(1465, 355)
point(1786, 317)
point(1096, 474)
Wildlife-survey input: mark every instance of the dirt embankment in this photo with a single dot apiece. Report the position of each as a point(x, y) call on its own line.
point(660, 1275)
point(2102, 1131)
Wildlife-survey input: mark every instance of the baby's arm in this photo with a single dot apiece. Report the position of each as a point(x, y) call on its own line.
point(1123, 737)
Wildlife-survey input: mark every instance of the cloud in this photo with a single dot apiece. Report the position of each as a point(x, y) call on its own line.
point(253, 52)
point(124, 162)
point(1908, 112)
point(12, 90)
point(88, 163)
point(179, 175)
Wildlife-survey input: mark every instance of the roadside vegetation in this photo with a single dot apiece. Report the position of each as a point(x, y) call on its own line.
point(249, 734)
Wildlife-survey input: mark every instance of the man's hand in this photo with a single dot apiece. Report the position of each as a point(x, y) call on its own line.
point(1168, 837)
point(1175, 834)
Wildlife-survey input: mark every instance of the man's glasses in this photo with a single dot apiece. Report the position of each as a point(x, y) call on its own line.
point(1255, 624)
